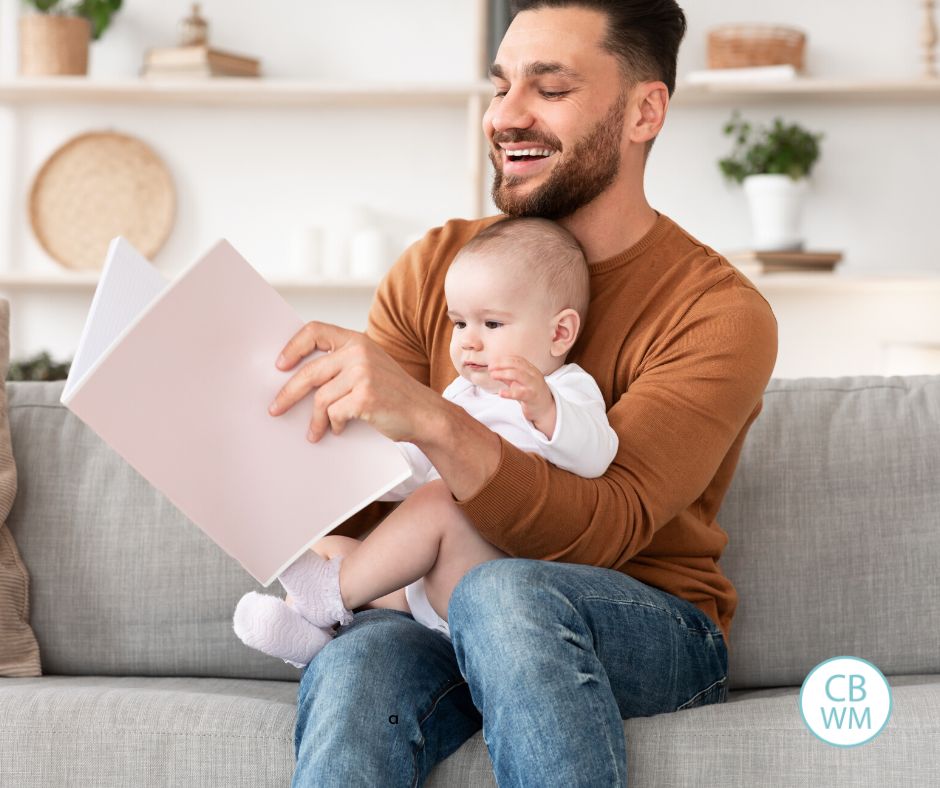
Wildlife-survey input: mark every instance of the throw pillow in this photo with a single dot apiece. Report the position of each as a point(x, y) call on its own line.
point(19, 650)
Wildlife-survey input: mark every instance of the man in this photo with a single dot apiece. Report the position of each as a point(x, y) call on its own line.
point(612, 605)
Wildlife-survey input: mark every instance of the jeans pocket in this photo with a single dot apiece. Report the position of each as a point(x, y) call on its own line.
point(714, 693)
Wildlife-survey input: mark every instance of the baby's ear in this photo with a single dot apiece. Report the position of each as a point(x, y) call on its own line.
point(565, 327)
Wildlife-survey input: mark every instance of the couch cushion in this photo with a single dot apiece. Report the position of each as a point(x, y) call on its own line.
point(756, 738)
point(19, 651)
point(122, 582)
point(833, 520)
point(63, 730)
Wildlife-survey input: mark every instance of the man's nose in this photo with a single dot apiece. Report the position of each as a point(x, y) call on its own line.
point(509, 112)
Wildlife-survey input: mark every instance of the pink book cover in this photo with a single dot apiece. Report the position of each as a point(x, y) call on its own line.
point(177, 378)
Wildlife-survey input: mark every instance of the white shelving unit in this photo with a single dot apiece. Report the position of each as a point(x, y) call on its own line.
point(472, 96)
point(785, 291)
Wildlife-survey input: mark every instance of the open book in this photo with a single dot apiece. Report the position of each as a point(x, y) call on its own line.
point(177, 378)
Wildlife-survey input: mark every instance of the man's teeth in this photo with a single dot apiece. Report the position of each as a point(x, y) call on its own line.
point(529, 152)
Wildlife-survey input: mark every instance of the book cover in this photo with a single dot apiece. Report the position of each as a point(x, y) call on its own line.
point(198, 55)
point(177, 377)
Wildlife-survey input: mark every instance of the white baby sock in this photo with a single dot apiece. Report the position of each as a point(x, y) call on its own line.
point(269, 624)
point(313, 583)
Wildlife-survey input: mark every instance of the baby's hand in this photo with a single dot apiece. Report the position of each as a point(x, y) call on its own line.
point(526, 384)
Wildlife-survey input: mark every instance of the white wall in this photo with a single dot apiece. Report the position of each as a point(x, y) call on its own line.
point(256, 175)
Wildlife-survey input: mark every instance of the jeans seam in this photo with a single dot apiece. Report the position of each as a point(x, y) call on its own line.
point(414, 755)
point(708, 689)
point(713, 632)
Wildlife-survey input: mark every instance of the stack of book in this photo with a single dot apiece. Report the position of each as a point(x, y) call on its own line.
point(197, 61)
point(723, 76)
point(755, 262)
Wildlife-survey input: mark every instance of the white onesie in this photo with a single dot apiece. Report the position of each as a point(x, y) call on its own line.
point(583, 443)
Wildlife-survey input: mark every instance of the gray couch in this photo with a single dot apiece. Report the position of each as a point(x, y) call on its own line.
point(834, 525)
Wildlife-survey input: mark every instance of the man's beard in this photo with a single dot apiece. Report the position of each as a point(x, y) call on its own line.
point(591, 166)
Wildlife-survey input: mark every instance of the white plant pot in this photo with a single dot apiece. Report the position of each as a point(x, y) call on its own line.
point(776, 206)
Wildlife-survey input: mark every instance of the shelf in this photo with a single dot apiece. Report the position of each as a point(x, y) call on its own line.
point(88, 280)
point(823, 90)
point(837, 283)
point(236, 91)
point(821, 282)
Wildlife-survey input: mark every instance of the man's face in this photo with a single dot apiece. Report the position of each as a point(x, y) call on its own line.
point(558, 98)
point(493, 317)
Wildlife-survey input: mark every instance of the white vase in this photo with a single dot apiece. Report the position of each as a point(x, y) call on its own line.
point(776, 206)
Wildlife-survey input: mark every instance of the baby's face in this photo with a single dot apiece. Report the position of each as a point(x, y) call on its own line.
point(493, 317)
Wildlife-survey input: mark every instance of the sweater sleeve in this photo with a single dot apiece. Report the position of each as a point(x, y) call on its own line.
point(692, 396)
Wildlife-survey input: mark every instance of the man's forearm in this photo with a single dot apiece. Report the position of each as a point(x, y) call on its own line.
point(464, 451)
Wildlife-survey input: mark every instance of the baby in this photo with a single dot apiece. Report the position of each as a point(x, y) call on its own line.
point(517, 295)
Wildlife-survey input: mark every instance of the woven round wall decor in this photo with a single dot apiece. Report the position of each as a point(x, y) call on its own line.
point(96, 186)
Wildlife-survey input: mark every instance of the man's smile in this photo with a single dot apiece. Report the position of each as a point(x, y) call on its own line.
point(524, 158)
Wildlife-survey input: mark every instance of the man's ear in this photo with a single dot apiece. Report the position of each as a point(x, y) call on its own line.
point(647, 110)
point(565, 327)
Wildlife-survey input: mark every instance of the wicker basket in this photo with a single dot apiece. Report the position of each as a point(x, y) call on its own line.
point(53, 44)
point(98, 185)
point(743, 46)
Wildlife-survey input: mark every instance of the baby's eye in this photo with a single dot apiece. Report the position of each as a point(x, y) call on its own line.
point(492, 324)
point(459, 324)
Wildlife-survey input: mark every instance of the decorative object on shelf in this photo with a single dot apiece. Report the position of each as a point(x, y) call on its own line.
point(754, 263)
point(194, 30)
point(197, 61)
point(368, 254)
point(94, 187)
point(773, 168)
point(55, 40)
point(929, 40)
point(744, 46)
point(193, 57)
point(755, 74)
point(39, 367)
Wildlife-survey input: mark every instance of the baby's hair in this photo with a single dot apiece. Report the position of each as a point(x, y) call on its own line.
point(545, 253)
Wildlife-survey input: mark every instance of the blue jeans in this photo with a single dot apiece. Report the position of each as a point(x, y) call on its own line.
point(547, 657)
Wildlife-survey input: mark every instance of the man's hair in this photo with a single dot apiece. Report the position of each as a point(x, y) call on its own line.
point(643, 34)
point(543, 254)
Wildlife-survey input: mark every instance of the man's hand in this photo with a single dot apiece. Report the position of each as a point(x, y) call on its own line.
point(526, 384)
point(356, 379)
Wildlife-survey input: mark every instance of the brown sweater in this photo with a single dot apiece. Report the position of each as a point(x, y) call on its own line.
point(682, 346)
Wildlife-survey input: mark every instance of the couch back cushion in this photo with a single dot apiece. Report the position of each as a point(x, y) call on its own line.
point(122, 582)
point(833, 520)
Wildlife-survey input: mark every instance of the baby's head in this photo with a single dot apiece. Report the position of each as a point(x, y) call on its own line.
point(519, 288)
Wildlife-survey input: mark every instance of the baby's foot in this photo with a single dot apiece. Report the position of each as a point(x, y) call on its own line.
point(269, 624)
point(313, 583)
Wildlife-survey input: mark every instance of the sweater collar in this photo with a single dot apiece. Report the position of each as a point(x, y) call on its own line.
point(656, 232)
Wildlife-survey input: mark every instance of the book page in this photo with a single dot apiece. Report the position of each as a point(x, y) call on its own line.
point(128, 284)
point(182, 395)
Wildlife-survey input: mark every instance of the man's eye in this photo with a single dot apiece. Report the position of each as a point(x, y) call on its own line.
point(554, 94)
point(492, 324)
point(499, 93)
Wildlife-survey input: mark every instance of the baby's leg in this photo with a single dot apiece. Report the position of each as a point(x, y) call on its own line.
point(406, 545)
point(403, 548)
point(333, 545)
point(461, 549)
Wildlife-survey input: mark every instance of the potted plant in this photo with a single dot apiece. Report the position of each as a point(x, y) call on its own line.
point(773, 165)
point(55, 40)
